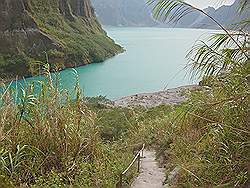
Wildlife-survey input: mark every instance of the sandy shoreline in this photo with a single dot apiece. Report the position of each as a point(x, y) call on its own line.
point(171, 96)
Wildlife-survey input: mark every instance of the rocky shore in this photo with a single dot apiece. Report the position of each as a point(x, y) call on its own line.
point(169, 97)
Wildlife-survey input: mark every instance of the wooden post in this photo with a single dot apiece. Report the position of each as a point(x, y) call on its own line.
point(139, 157)
point(119, 184)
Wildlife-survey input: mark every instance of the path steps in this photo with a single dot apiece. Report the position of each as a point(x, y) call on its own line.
point(151, 175)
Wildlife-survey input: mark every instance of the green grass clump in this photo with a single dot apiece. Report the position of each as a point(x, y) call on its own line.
point(49, 139)
point(207, 138)
point(12, 65)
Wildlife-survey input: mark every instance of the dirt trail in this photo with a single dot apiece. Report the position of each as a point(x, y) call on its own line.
point(151, 175)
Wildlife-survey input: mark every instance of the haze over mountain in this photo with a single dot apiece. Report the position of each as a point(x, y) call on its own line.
point(137, 13)
point(123, 12)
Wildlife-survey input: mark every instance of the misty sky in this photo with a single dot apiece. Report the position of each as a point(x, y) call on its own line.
point(213, 3)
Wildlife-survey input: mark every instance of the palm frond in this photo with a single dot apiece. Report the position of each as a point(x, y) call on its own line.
point(170, 10)
point(243, 25)
point(174, 10)
point(218, 55)
point(244, 6)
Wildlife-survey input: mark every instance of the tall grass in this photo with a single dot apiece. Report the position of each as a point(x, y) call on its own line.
point(207, 139)
point(49, 139)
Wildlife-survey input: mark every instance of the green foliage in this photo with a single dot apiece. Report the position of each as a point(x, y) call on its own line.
point(114, 124)
point(82, 39)
point(5, 182)
point(50, 140)
point(207, 138)
point(89, 143)
point(9, 64)
point(211, 141)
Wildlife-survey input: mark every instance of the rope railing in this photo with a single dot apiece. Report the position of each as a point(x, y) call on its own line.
point(136, 158)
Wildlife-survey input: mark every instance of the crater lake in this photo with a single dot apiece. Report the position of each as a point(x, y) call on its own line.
point(153, 60)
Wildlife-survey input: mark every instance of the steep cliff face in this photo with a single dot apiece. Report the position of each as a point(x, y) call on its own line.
point(76, 8)
point(64, 31)
point(82, 8)
point(19, 31)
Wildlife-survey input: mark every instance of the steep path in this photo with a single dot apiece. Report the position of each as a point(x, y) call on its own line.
point(151, 175)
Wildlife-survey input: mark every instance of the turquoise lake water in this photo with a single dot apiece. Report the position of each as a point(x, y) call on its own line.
point(154, 59)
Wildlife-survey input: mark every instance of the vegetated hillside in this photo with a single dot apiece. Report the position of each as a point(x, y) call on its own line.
point(138, 13)
point(63, 32)
point(88, 142)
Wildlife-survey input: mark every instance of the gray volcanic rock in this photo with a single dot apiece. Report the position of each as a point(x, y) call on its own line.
point(172, 96)
point(14, 15)
point(82, 8)
point(65, 9)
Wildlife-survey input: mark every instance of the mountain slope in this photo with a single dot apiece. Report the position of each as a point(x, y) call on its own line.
point(226, 15)
point(123, 12)
point(63, 32)
point(137, 13)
